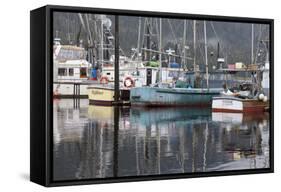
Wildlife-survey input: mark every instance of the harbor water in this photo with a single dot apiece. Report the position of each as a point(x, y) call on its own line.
point(103, 141)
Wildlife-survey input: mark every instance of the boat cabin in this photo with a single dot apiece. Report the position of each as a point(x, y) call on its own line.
point(143, 76)
point(70, 63)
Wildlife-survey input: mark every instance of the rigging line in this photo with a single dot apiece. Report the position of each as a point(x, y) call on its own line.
point(144, 25)
point(157, 32)
point(82, 22)
point(258, 47)
point(68, 27)
point(182, 52)
point(222, 46)
point(95, 31)
point(199, 46)
point(151, 27)
point(143, 38)
point(122, 51)
point(88, 28)
point(173, 33)
point(139, 36)
point(164, 53)
point(179, 24)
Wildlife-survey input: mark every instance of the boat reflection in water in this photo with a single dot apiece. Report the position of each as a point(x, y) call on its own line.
point(97, 142)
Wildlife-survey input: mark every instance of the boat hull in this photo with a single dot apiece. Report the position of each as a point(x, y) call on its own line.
point(232, 104)
point(155, 96)
point(67, 90)
point(104, 96)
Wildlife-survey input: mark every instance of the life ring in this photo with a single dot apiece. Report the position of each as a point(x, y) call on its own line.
point(128, 82)
point(103, 80)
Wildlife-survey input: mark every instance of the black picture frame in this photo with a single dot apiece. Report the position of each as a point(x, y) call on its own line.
point(41, 95)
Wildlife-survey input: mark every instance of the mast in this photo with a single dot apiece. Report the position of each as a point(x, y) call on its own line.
point(90, 37)
point(116, 61)
point(160, 49)
point(139, 34)
point(194, 44)
point(102, 44)
point(148, 37)
point(218, 51)
point(206, 54)
point(219, 64)
point(184, 37)
point(68, 28)
point(252, 49)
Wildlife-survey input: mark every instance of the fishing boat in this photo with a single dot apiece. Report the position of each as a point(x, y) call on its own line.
point(104, 95)
point(71, 69)
point(235, 104)
point(132, 72)
point(142, 76)
point(250, 98)
point(156, 96)
point(247, 97)
point(172, 95)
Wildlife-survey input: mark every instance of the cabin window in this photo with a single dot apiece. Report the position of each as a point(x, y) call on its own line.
point(83, 72)
point(62, 71)
point(71, 72)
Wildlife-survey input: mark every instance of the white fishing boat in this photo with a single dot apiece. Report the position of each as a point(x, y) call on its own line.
point(142, 76)
point(252, 98)
point(235, 104)
point(248, 97)
point(71, 71)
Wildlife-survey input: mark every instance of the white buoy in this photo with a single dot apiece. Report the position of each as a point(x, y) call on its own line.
point(265, 99)
point(260, 125)
point(264, 123)
point(261, 96)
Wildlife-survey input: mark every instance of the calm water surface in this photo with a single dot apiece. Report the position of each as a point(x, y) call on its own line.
point(91, 142)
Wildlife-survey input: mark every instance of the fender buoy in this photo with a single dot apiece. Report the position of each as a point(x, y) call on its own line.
point(128, 82)
point(103, 80)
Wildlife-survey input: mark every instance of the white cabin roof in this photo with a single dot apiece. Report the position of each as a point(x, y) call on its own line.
point(74, 63)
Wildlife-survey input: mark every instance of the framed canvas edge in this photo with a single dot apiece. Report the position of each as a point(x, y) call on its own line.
point(48, 103)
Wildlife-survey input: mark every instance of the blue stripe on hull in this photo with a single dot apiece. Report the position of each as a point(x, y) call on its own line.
point(154, 96)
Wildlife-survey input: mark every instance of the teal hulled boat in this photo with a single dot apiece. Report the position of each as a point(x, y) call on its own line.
point(156, 96)
point(185, 93)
